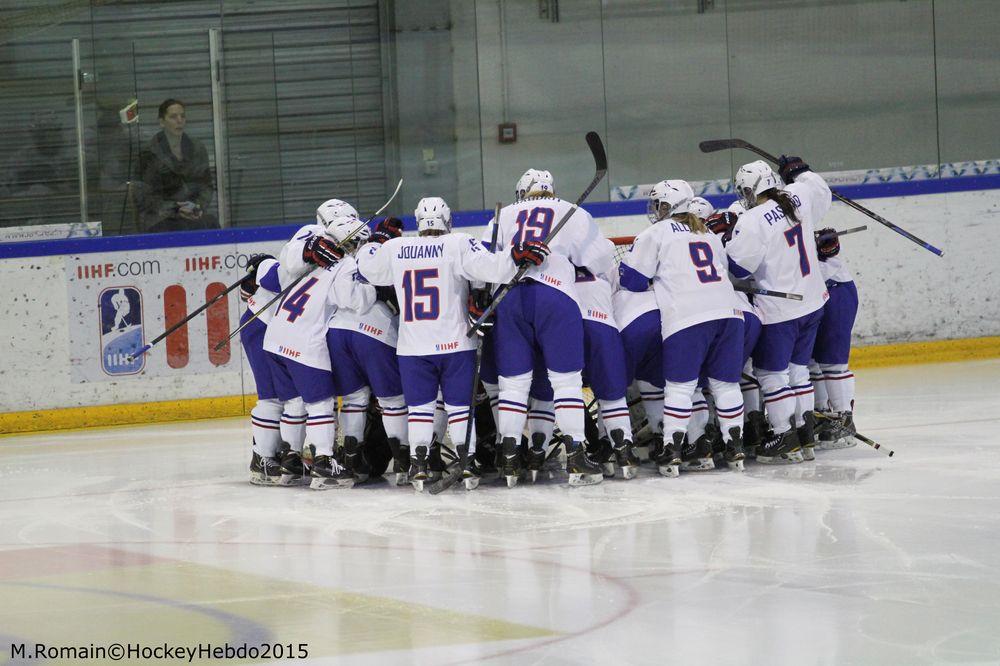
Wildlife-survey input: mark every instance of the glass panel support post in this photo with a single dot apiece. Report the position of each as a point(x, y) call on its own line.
point(219, 124)
point(81, 157)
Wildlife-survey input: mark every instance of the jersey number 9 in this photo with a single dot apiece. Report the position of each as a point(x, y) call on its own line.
point(421, 301)
point(701, 257)
point(534, 225)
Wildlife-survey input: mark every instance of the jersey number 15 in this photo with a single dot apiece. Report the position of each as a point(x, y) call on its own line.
point(421, 301)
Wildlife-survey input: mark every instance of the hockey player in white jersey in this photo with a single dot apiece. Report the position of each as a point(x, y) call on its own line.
point(542, 313)
point(702, 325)
point(272, 420)
point(773, 241)
point(362, 345)
point(296, 335)
point(431, 275)
point(835, 381)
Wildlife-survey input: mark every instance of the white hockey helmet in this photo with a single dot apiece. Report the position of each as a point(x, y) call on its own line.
point(668, 197)
point(701, 208)
point(332, 209)
point(349, 232)
point(432, 214)
point(534, 182)
point(752, 179)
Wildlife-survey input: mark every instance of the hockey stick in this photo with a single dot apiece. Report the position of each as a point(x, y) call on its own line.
point(601, 168)
point(870, 442)
point(215, 299)
point(852, 230)
point(464, 449)
point(715, 145)
point(284, 292)
point(748, 289)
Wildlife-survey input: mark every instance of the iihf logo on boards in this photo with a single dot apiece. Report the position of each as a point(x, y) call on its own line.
point(121, 330)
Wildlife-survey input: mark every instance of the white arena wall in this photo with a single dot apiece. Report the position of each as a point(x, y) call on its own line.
point(51, 342)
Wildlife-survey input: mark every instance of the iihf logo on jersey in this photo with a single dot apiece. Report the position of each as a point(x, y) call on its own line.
point(121, 330)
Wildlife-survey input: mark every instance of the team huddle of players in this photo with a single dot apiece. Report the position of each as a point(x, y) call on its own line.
point(721, 374)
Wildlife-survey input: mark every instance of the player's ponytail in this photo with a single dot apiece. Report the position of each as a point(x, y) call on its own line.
point(785, 203)
point(693, 222)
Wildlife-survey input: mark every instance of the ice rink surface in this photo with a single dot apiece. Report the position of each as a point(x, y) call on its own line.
point(152, 535)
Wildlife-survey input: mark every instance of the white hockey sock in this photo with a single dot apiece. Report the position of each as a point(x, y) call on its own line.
point(567, 389)
point(458, 424)
point(394, 417)
point(699, 415)
point(839, 386)
point(420, 422)
point(440, 419)
point(265, 420)
point(615, 415)
point(354, 413)
point(652, 402)
point(293, 423)
point(751, 393)
point(805, 395)
point(820, 398)
point(321, 425)
point(677, 405)
point(728, 405)
point(541, 419)
point(513, 406)
point(779, 399)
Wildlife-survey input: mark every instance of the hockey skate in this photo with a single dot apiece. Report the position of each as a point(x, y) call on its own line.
point(294, 471)
point(668, 462)
point(418, 468)
point(780, 448)
point(836, 431)
point(603, 454)
point(435, 463)
point(355, 461)
point(534, 457)
point(468, 468)
point(697, 456)
point(443, 474)
point(733, 450)
point(754, 432)
point(264, 471)
point(655, 447)
point(582, 470)
point(807, 439)
point(511, 455)
point(327, 473)
point(625, 458)
point(400, 461)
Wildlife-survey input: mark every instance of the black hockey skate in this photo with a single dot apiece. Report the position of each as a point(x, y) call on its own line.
point(435, 463)
point(355, 461)
point(534, 457)
point(697, 456)
point(807, 439)
point(655, 447)
point(755, 431)
point(510, 452)
point(625, 458)
point(668, 462)
point(400, 461)
point(418, 468)
point(603, 453)
point(836, 431)
point(718, 445)
point(582, 470)
point(780, 449)
point(733, 450)
point(468, 467)
point(264, 471)
point(327, 473)
point(294, 471)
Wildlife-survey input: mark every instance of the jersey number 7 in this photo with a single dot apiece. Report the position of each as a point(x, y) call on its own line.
point(421, 301)
point(794, 238)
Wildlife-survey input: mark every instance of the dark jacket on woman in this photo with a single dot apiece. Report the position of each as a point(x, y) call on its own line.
point(167, 180)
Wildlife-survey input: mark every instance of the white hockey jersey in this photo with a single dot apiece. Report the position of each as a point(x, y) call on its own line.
point(298, 327)
point(689, 275)
point(835, 269)
point(595, 294)
point(578, 243)
point(431, 276)
point(781, 255)
point(377, 321)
